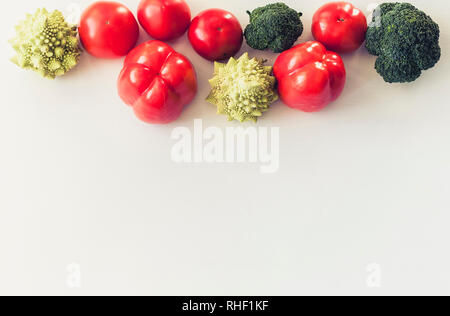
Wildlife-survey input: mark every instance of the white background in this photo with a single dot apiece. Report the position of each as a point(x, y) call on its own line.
point(83, 181)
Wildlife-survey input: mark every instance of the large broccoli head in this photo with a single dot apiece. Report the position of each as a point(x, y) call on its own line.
point(275, 26)
point(406, 41)
point(47, 44)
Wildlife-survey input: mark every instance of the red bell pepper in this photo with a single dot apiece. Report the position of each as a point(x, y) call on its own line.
point(309, 77)
point(157, 82)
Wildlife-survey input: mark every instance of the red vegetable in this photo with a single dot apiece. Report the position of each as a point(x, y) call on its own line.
point(216, 34)
point(164, 20)
point(309, 77)
point(108, 30)
point(157, 82)
point(340, 27)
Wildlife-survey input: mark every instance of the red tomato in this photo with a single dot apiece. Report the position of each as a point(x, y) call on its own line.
point(309, 77)
point(340, 27)
point(108, 30)
point(216, 34)
point(157, 82)
point(164, 20)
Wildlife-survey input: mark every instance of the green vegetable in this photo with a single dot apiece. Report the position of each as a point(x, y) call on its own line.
point(275, 26)
point(242, 89)
point(406, 41)
point(46, 43)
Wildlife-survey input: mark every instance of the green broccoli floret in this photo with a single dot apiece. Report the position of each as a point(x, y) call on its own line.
point(275, 26)
point(46, 43)
point(406, 41)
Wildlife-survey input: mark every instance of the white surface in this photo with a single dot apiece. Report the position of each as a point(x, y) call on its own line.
point(82, 181)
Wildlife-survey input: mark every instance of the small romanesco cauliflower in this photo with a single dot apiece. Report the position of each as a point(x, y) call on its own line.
point(242, 89)
point(46, 43)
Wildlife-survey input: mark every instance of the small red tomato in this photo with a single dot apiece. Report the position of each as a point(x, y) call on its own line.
point(157, 82)
point(164, 20)
point(340, 27)
point(108, 30)
point(216, 34)
point(309, 77)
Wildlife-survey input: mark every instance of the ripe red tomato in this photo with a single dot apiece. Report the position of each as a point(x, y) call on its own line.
point(164, 20)
point(157, 82)
point(309, 77)
point(340, 27)
point(108, 30)
point(216, 34)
